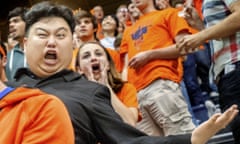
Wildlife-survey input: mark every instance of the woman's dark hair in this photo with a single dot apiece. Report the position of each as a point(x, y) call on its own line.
point(48, 9)
point(114, 77)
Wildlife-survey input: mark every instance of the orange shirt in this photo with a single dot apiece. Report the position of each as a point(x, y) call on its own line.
point(128, 96)
point(31, 116)
point(116, 59)
point(154, 30)
point(99, 32)
point(72, 65)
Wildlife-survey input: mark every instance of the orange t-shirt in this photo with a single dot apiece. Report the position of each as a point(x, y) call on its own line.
point(154, 30)
point(32, 116)
point(72, 65)
point(116, 59)
point(99, 32)
point(128, 96)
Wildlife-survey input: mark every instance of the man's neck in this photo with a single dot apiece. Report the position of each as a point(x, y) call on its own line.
point(148, 9)
point(20, 43)
point(87, 39)
point(109, 33)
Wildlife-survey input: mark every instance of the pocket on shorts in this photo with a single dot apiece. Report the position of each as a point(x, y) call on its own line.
point(181, 109)
point(179, 116)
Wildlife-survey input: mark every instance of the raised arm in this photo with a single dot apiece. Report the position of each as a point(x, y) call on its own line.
point(226, 27)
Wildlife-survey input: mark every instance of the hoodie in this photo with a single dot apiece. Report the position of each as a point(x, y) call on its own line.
point(31, 116)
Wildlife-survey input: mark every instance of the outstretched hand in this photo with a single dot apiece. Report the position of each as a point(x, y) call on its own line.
point(214, 124)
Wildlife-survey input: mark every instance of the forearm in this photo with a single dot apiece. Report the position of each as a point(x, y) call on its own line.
point(125, 68)
point(170, 52)
point(227, 27)
point(215, 123)
point(128, 114)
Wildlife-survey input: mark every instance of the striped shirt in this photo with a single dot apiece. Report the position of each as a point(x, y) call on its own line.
point(225, 50)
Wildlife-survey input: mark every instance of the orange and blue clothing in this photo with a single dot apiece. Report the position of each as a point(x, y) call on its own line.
point(31, 116)
point(160, 33)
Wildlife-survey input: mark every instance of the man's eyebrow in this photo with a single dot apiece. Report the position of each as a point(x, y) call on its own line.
point(61, 28)
point(39, 28)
